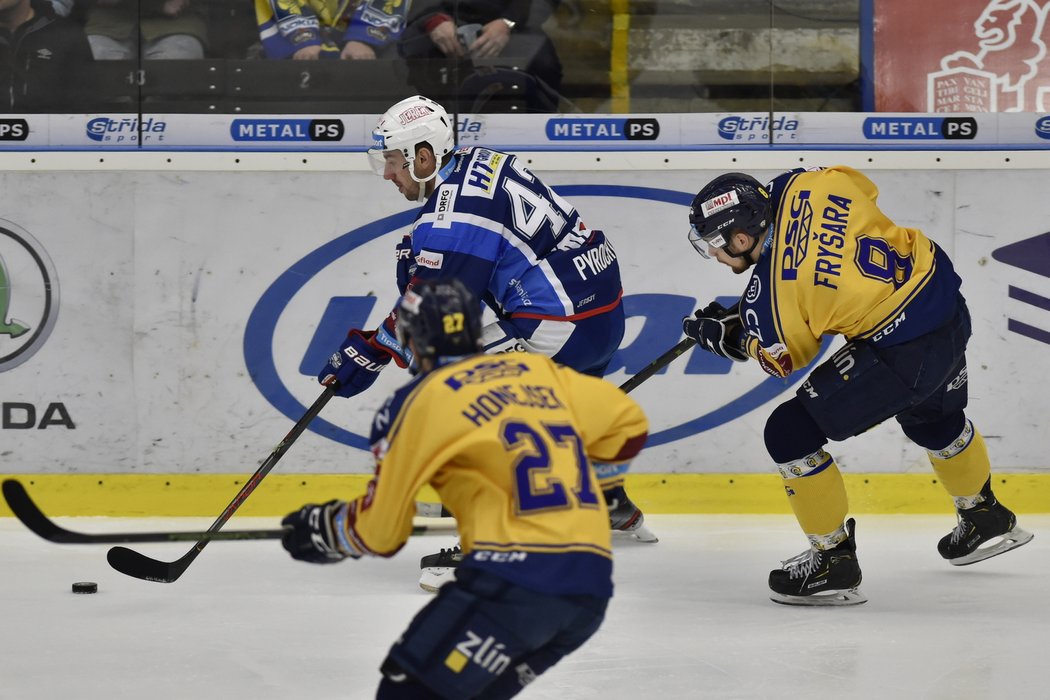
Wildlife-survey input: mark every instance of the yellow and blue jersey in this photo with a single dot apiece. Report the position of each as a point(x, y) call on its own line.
point(519, 448)
point(285, 26)
point(834, 264)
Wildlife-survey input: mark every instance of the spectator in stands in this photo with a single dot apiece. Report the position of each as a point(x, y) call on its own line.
point(454, 34)
point(159, 29)
point(307, 30)
point(40, 56)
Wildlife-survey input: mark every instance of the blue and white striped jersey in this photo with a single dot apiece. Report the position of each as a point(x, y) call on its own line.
point(514, 241)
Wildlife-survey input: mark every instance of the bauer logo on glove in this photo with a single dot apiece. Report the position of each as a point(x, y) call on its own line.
point(356, 365)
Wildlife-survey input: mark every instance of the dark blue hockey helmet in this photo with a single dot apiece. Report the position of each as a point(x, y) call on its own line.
point(441, 318)
point(729, 203)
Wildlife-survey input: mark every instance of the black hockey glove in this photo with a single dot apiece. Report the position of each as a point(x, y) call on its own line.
point(316, 533)
point(718, 330)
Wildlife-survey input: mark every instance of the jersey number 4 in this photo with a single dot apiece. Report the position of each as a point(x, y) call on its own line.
point(533, 208)
point(537, 486)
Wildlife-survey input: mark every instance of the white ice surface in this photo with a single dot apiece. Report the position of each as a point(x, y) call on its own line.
point(690, 619)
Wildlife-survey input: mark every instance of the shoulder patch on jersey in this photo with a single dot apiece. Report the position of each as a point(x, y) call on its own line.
point(483, 173)
point(754, 290)
point(428, 258)
point(444, 206)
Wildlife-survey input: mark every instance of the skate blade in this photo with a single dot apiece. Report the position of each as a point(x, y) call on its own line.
point(433, 578)
point(1011, 540)
point(640, 533)
point(848, 596)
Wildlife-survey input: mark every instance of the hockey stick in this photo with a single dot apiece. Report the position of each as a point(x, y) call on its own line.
point(33, 518)
point(129, 562)
point(657, 365)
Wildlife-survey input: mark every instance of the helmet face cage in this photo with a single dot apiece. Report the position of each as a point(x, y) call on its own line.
point(407, 124)
point(729, 203)
point(442, 319)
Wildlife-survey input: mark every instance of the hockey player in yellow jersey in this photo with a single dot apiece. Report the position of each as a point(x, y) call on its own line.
point(519, 448)
point(825, 260)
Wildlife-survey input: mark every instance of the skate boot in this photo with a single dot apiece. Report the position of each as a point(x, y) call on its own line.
point(820, 577)
point(625, 516)
point(439, 569)
point(972, 539)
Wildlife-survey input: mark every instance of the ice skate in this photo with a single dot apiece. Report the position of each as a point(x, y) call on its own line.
point(987, 529)
point(626, 517)
point(820, 577)
point(439, 569)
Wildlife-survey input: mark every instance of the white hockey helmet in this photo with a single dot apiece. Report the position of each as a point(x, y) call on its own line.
point(407, 124)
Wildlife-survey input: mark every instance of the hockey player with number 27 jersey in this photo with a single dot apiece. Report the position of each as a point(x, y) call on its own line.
point(519, 448)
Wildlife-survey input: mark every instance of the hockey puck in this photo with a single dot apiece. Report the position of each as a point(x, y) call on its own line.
point(85, 587)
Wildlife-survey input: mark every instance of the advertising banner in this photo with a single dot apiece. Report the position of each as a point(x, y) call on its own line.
point(986, 55)
point(175, 322)
point(534, 132)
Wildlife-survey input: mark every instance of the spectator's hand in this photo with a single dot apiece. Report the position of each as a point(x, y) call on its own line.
point(173, 8)
point(307, 53)
point(444, 37)
point(492, 39)
point(357, 51)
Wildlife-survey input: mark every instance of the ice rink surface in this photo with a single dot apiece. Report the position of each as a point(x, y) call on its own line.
point(690, 619)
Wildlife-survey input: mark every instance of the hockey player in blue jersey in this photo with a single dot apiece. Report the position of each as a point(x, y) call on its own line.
point(553, 283)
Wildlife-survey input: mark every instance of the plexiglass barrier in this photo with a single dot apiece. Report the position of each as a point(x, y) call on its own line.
point(760, 69)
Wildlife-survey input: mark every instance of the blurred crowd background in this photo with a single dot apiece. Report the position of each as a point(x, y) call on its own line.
point(539, 56)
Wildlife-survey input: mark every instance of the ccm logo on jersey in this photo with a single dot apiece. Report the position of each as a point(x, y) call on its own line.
point(892, 326)
point(487, 653)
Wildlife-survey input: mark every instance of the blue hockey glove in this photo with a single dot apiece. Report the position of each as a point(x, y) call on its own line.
point(718, 330)
point(317, 533)
point(405, 263)
point(356, 365)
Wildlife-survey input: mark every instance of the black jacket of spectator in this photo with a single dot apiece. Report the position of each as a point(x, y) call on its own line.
point(528, 66)
point(42, 64)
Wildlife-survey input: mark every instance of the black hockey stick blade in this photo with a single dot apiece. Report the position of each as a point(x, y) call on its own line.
point(131, 563)
point(657, 365)
point(33, 518)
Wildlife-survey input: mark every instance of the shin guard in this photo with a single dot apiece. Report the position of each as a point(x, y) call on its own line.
point(817, 494)
point(963, 465)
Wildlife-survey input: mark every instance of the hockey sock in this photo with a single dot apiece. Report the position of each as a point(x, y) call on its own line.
point(818, 496)
point(963, 466)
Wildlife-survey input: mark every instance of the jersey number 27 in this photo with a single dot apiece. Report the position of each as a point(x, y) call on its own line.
point(537, 487)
